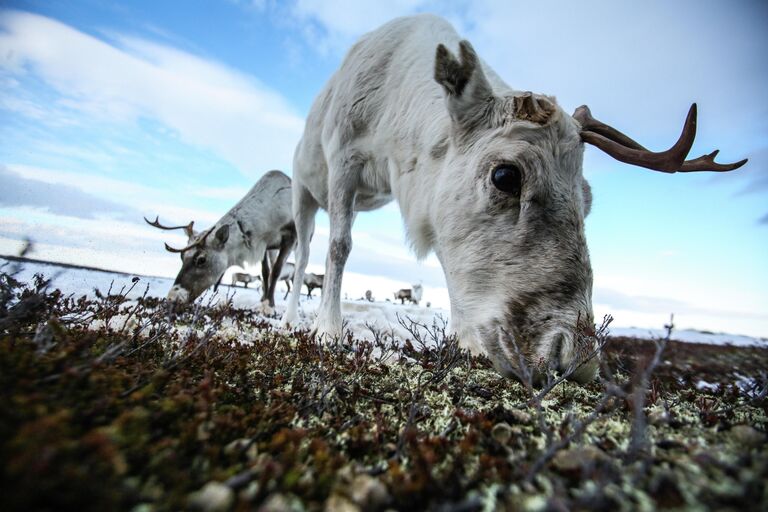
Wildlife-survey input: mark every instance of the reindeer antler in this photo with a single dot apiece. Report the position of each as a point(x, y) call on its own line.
point(156, 223)
point(625, 149)
point(200, 242)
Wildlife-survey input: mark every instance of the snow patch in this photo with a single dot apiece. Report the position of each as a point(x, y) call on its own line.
point(359, 315)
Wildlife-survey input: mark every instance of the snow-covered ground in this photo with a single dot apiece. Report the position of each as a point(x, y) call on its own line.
point(359, 314)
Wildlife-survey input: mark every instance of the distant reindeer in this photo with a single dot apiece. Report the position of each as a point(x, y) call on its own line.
point(243, 277)
point(369, 295)
point(486, 176)
point(259, 222)
point(312, 281)
point(413, 295)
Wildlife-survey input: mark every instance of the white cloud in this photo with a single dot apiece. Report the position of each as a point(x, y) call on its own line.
point(148, 200)
point(58, 198)
point(332, 26)
point(350, 19)
point(206, 103)
point(232, 194)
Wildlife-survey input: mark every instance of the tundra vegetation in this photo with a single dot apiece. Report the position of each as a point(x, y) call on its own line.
point(110, 404)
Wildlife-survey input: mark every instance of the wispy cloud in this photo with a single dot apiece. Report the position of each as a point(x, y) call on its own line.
point(140, 200)
point(204, 102)
point(58, 198)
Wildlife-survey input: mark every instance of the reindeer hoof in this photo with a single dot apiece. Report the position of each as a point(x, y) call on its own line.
point(265, 309)
point(326, 333)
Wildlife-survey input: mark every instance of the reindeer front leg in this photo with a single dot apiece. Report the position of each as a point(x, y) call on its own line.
point(286, 246)
point(304, 210)
point(341, 199)
point(265, 277)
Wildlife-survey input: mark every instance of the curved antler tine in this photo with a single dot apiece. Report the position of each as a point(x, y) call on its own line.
point(156, 223)
point(188, 229)
point(584, 116)
point(202, 239)
point(200, 242)
point(624, 149)
point(707, 163)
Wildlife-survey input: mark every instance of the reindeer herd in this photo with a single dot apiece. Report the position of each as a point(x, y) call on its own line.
point(486, 176)
point(257, 229)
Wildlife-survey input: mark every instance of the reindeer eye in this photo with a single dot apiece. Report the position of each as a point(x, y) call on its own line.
point(507, 178)
point(200, 260)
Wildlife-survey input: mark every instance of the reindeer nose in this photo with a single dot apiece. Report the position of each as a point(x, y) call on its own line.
point(178, 294)
point(566, 357)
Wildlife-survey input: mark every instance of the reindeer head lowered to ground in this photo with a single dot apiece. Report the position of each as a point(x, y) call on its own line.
point(523, 204)
point(203, 260)
point(487, 177)
point(261, 221)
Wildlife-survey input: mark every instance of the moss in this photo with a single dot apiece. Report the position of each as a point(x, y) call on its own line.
point(103, 413)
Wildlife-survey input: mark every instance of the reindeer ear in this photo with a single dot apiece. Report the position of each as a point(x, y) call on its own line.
point(221, 236)
point(465, 85)
point(189, 230)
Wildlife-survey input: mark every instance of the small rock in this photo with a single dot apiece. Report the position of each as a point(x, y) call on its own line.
point(576, 458)
point(338, 503)
point(281, 503)
point(747, 435)
point(204, 430)
point(368, 492)
point(670, 444)
point(534, 503)
point(243, 445)
point(481, 391)
point(213, 497)
point(520, 416)
point(658, 416)
point(390, 448)
point(250, 491)
point(502, 433)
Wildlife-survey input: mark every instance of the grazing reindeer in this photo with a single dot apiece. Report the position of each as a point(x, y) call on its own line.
point(243, 277)
point(488, 177)
point(411, 295)
point(312, 281)
point(259, 222)
point(403, 294)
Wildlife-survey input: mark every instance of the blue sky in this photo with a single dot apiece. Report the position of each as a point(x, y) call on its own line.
point(113, 110)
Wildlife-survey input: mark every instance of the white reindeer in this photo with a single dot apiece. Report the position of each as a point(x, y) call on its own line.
point(259, 222)
point(412, 295)
point(243, 277)
point(487, 176)
point(312, 281)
